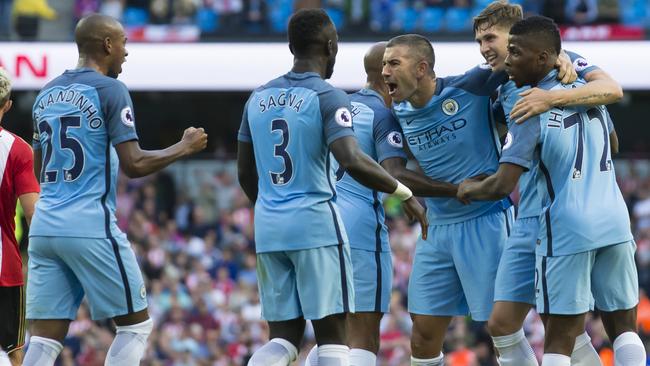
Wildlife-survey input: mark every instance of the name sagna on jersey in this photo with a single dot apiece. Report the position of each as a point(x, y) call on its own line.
point(281, 100)
point(73, 98)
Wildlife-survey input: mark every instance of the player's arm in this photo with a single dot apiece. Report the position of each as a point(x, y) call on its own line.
point(247, 170)
point(600, 89)
point(613, 142)
point(24, 175)
point(420, 184)
point(497, 186)
point(28, 203)
point(136, 162)
point(37, 163)
point(370, 174)
point(392, 156)
point(517, 156)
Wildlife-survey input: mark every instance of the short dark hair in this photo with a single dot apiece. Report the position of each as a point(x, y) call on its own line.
point(544, 30)
point(420, 44)
point(500, 13)
point(305, 27)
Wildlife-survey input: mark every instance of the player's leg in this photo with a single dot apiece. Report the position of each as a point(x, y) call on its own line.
point(563, 302)
point(12, 322)
point(514, 295)
point(326, 300)
point(109, 274)
point(373, 278)
point(435, 295)
point(276, 277)
point(363, 337)
point(559, 340)
point(53, 297)
point(616, 295)
point(427, 339)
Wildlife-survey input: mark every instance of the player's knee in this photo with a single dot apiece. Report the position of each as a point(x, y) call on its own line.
point(499, 326)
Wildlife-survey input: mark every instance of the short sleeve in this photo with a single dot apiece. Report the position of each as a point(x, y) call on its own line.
point(388, 138)
point(520, 144)
point(481, 80)
point(244, 133)
point(580, 64)
point(118, 112)
point(23, 172)
point(335, 110)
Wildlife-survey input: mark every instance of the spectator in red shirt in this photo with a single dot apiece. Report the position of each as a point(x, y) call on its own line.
point(17, 182)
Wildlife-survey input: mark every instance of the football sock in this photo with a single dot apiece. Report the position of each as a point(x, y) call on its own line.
point(584, 353)
point(4, 359)
point(362, 357)
point(42, 351)
point(555, 359)
point(129, 344)
point(277, 352)
point(333, 355)
point(436, 361)
point(514, 350)
point(312, 357)
point(629, 350)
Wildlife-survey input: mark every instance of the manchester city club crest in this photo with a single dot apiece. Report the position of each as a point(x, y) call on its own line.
point(450, 107)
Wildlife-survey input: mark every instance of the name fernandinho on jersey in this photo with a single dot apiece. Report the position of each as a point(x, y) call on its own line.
point(71, 97)
point(281, 100)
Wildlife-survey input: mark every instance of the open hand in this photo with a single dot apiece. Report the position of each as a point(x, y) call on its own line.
point(533, 102)
point(566, 73)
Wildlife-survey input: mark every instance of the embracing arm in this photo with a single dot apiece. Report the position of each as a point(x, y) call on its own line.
point(600, 89)
point(420, 184)
point(495, 187)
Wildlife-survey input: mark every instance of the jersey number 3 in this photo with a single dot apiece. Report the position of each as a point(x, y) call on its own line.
point(280, 150)
point(66, 142)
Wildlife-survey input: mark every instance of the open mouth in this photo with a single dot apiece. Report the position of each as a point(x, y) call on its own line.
point(392, 88)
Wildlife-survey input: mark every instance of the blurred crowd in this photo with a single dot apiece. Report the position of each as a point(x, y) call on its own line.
point(237, 18)
point(192, 231)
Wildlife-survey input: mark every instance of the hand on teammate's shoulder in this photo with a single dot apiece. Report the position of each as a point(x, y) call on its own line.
point(195, 139)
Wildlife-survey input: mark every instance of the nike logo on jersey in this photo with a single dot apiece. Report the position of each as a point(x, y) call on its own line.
point(408, 121)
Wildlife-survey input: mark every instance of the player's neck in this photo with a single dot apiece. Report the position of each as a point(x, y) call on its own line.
point(424, 92)
point(381, 89)
point(86, 62)
point(302, 65)
point(543, 74)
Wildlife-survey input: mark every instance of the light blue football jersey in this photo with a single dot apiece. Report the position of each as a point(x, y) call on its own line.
point(291, 121)
point(78, 119)
point(582, 206)
point(529, 203)
point(454, 137)
point(380, 137)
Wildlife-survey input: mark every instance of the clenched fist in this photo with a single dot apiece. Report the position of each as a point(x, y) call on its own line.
point(195, 139)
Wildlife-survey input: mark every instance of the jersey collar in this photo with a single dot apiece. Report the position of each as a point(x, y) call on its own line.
point(549, 80)
point(371, 92)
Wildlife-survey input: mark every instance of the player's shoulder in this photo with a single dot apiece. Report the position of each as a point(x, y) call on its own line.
point(19, 146)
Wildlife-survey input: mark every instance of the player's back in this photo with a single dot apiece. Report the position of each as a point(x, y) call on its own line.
point(378, 136)
point(78, 117)
point(294, 208)
point(453, 137)
point(583, 208)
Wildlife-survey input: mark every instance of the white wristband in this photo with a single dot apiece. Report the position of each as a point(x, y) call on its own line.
point(402, 192)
